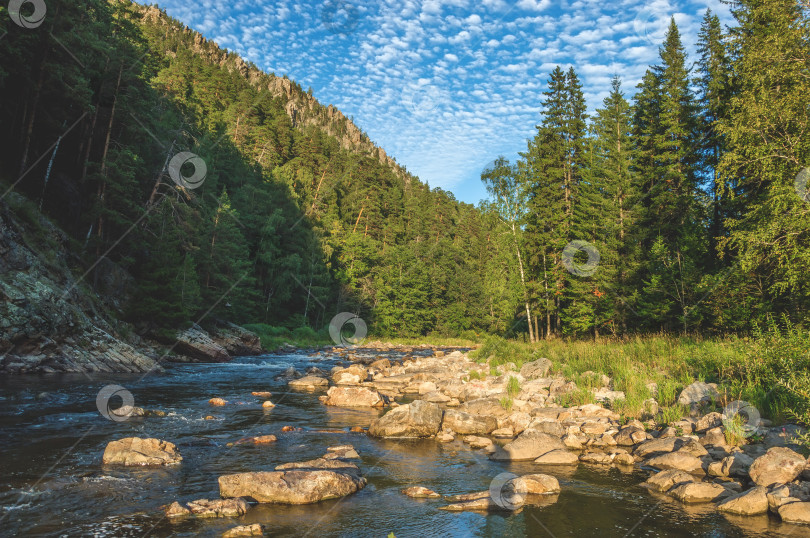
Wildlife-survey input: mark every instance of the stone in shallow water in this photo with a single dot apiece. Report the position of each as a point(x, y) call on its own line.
point(244, 530)
point(665, 480)
point(309, 382)
point(291, 487)
point(529, 445)
point(559, 457)
point(419, 492)
point(748, 503)
point(219, 507)
point(677, 460)
point(138, 451)
point(416, 419)
point(698, 492)
point(348, 396)
point(798, 512)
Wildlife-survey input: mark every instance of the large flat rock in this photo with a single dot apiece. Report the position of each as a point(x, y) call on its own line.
point(292, 486)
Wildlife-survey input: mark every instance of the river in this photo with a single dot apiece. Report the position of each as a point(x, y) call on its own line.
point(53, 482)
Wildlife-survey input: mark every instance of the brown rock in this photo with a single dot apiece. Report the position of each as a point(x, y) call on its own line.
point(465, 423)
point(353, 397)
point(748, 503)
point(262, 394)
point(529, 445)
point(217, 401)
point(138, 451)
point(198, 344)
point(698, 492)
point(309, 382)
point(558, 457)
point(779, 465)
point(177, 510)
point(416, 419)
point(677, 460)
point(419, 492)
point(798, 512)
point(290, 487)
point(244, 530)
point(630, 435)
point(655, 447)
point(666, 480)
point(219, 507)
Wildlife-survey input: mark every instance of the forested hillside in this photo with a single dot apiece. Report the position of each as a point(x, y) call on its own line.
point(286, 213)
point(219, 190)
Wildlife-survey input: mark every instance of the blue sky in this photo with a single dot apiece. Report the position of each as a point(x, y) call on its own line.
point(446, 86)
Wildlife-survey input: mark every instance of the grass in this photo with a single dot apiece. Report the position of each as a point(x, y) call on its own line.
point(507, 402)
point(770, 370)
point(513, 386)
point(274, 337)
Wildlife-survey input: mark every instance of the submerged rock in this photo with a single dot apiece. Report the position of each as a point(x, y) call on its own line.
point(244, 530)
point(416, 419)
point(218, 507)
point(138, 451)
point(419, 492)
point(291, 487)
point(309, 382)
point(698, 492)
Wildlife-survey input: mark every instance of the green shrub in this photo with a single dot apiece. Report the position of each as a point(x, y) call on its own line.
point(506, 403)
point(513, 386)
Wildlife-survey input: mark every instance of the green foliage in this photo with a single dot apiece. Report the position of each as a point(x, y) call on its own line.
point(506, 403)
point(513, 386)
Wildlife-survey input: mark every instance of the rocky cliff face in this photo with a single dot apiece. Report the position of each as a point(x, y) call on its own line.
point(49, 322)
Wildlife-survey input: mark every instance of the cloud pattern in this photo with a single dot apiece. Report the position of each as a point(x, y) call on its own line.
point(446, 86)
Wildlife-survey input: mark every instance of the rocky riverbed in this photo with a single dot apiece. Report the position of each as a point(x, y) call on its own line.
point(371, 441)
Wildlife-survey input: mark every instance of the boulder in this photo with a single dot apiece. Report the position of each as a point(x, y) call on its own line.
point(290, 487)
point(677, 460)
point(666, 480)
point(714, 437)
point(736, 466)
point(465, 423)
point(535, 484)
point(138, 451)
point(699, 392)
point(219, 402)
point(709, 421)
point(484, 406)
point(593, 428)
point(353, 397)
point(698, 492)
point(655, 447)
point(177, 510)
point(535, 369)
point(416, 419)
point(529, 445)
point(353, 375)
point(419, 492)
point(199, 346)
point(630, 435)
point(779, 465)
point(798, 512)
point(436, 397)
point(748, 503)
point(236, 340)
point(219, 507)
point(255, 529)
point(309, 382)
point(558, 457)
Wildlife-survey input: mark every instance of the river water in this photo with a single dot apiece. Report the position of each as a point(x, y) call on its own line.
point(52, 482)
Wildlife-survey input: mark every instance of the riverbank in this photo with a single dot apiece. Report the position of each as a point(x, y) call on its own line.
point(55, 440)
